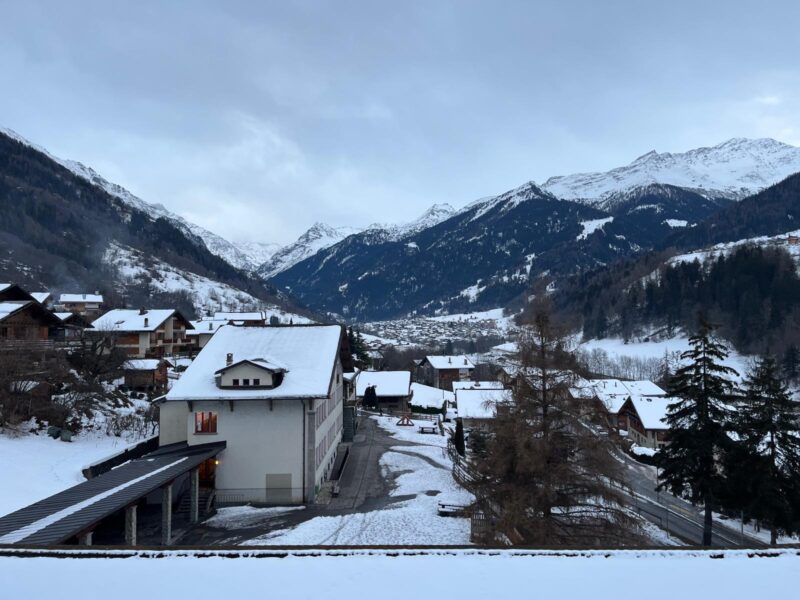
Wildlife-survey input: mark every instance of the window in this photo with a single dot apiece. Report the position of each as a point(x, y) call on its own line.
point(235, 383)
point(256, 382)
point(205, 422)
point(245, 382)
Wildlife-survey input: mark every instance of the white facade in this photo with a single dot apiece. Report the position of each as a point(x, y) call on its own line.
point(280, 447)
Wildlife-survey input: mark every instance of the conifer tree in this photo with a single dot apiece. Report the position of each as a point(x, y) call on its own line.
point(698, 421)
point(768, 466)
point(458, 437)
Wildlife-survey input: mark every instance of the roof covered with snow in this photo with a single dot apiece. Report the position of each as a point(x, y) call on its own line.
point(240, 316)
point(309, 353)
point(262, 362)
point(480, 404)
point(614, 392)
point(450, 362)
point(40, 297)
point(644, 388)
point(431, 397)
point(141, 364)
point(208, 326)
point(477, 385)
point(387, 383)
point(81, 298)
point(11, 306)
point(652, 410)
point(131, 320)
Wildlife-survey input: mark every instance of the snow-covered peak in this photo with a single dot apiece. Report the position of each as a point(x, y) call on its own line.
point(216, 244)
point(733, 169)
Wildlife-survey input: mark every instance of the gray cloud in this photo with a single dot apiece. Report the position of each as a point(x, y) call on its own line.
point(256, 119)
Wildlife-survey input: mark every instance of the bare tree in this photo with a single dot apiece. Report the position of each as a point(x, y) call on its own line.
point(548, 476)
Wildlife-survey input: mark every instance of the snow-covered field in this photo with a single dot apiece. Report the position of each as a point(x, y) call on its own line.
point(36, 466)
point(390, 575)
point(421, 471)
point(727, 248)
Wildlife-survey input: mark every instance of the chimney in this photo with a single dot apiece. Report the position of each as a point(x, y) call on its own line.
point(210, 328)
point(142, 311)
point(229, 358)
point(146, 322)
point(465, 360)
point(449, 360)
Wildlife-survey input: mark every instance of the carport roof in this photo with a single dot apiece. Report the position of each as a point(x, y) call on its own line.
point(56, 519)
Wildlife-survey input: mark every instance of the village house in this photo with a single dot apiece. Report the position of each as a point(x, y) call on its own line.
point(274, 396)
point(257, 317)
point(392, 388)
point(71, 327)
point(428, 398)
point(88, 305)
point(145, 333)
point(442, 371)
point(145, 374)
point(13, 292)
point(26, 322)
point(644, 419)
point(476, 407)
point(202, 331)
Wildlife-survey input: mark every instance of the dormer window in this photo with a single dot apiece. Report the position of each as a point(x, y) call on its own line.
point(261, 373)
point(256, 382)
point(245, 382)
point(235, 383)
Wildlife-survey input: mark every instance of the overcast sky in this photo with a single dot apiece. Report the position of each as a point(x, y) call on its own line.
point(256, 119)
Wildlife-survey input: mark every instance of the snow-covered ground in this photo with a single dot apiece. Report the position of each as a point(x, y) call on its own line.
point(724, 249)
point(37, 466)
point(207, 295)
point(422, 471)
point(399, 575)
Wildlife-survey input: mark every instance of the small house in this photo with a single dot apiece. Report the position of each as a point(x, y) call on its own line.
point(26, 322)
point(645, 420)
point(476, 407)
point(146, 333)
point(145, 374)
point(442, 371)
point(425, 398)
point(88, 305)
point(392, 388)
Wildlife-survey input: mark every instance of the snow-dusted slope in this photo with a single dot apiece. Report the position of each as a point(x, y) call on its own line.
point(239, 258)
point(208, 296)
point(257, 253)
point(318, 237)
point(433, 216)
point(732, 169)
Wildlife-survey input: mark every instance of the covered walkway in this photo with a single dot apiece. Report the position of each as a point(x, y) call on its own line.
point(75, 512)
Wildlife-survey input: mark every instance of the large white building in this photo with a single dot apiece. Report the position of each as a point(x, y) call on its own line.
point(275, 396)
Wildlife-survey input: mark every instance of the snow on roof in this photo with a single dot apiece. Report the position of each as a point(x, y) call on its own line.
point(450, 362)
point(480, 404)
point(64, 315)
point(240, 316)
point(644, 388)
point(309, 353)
point(41, 297)
point(477, 385)
point(11, 306)
point(80, 298)
point(351, 375)
point(652, 410)
point(130, 320)
point(141, 364)
point(611, 392)
point(205, 326)
point(507, 348)
point(5, 286)
point(264, 362)
point(431, 397)
point(387, 383)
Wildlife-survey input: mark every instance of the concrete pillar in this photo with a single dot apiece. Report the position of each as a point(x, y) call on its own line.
point(85, 539)
point(310, 449)
point(130, 525)
point(194, 491)
point(166, 515)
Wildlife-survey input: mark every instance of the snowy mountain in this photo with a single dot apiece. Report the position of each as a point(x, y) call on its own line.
point(257, 253)
point(318, 237)
point(733, 169)
point(216, 244)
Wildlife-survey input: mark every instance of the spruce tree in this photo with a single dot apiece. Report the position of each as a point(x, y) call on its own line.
point(458, 437)
point(768, 469)
point(698, 421)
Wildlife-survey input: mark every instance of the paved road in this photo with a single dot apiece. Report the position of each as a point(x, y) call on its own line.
point(676, 516)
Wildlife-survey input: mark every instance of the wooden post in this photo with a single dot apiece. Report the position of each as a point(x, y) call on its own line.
point(166, 514)
point(194, 491)
point(130, 525)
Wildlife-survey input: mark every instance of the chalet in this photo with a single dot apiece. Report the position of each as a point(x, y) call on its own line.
point(145, 374)
point(644, 419)
point(274, 396)
point(392, 388)
point(145, 333)
point(609, 395)
point(476, 407)
point(13, 292)
point(71, 328)
point(429, 398)
point(442, 371)
point(26, 322)
point(88, 305)
point(202, 331)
